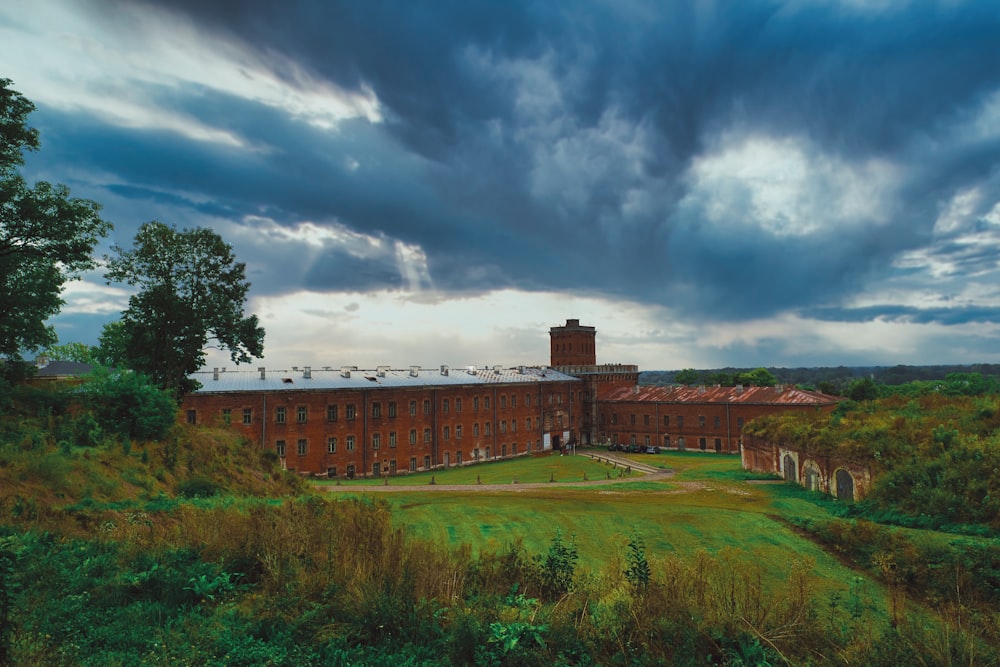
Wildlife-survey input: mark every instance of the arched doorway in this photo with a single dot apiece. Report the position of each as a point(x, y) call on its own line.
point(845, 485)
point(812, 477)
point(791, 474)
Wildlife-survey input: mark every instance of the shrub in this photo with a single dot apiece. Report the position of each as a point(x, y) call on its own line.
point(198, 487)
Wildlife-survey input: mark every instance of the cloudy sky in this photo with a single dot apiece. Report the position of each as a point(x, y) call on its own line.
point(432, 181)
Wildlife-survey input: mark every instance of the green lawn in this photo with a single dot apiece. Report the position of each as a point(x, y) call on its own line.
point(707, 505)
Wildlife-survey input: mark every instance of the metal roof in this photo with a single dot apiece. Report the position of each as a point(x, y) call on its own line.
point(778, 395)
point(306, 378)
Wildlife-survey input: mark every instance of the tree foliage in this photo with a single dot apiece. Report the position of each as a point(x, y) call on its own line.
point(46, 236)
point(191, 293)
point(128, 404)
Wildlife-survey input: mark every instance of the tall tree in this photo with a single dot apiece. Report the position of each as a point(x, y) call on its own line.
point(46, 236)
point(191, 293)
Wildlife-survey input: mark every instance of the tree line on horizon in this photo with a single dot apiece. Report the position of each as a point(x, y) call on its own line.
point(833, 380)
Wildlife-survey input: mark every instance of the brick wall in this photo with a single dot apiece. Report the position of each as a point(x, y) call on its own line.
point(390, 430)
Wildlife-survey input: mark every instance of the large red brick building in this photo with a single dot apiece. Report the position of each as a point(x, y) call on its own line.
point(346, 422)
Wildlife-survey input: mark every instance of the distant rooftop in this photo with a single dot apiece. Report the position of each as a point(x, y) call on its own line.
point(778, 395)
point(349, 377)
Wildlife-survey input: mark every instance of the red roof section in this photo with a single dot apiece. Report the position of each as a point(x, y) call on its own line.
point(779, 395)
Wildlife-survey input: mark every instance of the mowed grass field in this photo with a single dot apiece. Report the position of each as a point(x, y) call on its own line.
point(706, 505)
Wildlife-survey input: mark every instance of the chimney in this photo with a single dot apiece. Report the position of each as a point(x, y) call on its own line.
point(307, 372)
point(215, 374)
point(380, 371)
point(414, 371)
point(520, 369)
point(262, 372)
point(345, 371)
point(497, 369)
point(444, 370)
point(739, 389)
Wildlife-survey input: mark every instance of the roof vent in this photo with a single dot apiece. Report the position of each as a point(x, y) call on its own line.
point(345, 371)
point(497, 369)
point(307, 372)
point(414, 371)
point(215, 373)
point(263, 372)
point(295, 368)
point(739, 389)
point(380, 371)
point(520, 369)
point(701, 390)
point(444, 370)
point(471, 370)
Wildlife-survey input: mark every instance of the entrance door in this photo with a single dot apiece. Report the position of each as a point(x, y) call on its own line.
point(845, 485)
point(790, 472)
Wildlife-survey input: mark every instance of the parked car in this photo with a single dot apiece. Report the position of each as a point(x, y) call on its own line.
point(652, 450)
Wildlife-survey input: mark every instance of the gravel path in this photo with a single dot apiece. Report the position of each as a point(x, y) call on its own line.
point(648, 474)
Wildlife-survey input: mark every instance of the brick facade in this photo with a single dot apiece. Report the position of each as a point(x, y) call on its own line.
point(695, 418)
point(843, 479)
point(387, 425)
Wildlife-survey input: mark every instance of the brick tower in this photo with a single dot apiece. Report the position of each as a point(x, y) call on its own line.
point(573, 345)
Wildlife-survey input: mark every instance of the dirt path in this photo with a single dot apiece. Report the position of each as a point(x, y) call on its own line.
point(647, 472)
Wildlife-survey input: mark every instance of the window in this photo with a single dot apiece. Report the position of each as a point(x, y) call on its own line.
point(331, 413)
point(392, 466)
point(701, 421)
point(350, 443)
point(376, 440)
point(427, 463)
point(702, 444)
point(486, 402)
point(413, 436)
point(718, 444)
point(503, 402)
point(645, 420)
point(666, 441)
point(614, 417)
point(331, 472)
point(513, 448)
point(447, 432)
point(392, 438)
point(247, 415)
point(427, 407)
point(413, 464)
point(631, 419)
point(458, 458)
point(279, 447)
point(376, 410)
point(486, 428)
point(227, 416)
point(680, 422)
point(192, 417)
point(279, 415)
point(647, 440)
point(301, 414)
point(717, 421)
point(503, 426)
point(392, 409)
point(527, 400)
point(666, 421)
point(302, 447)
point(427, 435)
point(350, 471)
point(458, 431)
point(513, 401)
point(527, 423)
point(475, 403)
point(445, 404)
point(413, 408)
point(351, 412)
point(739, 423)
point(376, 469)
point(513, 426)
point(331, 446)
point(475, 430)
point(632, 440)
point(458, 405)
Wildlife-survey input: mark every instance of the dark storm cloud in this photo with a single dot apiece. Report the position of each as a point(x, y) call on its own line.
point(552, 146)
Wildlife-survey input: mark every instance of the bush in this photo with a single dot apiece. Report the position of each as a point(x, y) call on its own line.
point(198, 487)
point(129, 404)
